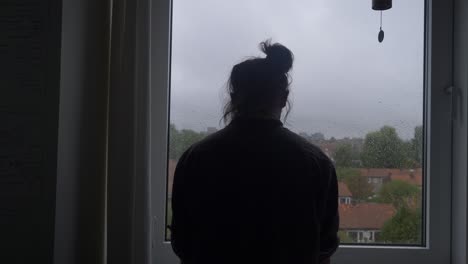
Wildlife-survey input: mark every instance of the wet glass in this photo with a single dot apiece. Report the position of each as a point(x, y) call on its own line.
point(359, 100)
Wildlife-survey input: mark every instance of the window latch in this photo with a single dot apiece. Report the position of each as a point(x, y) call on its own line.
point(452, 91)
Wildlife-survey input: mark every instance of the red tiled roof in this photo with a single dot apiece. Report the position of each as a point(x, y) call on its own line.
point(414, 177)
point(395, 171)
point(343, 190)
point(375, 172)
point(365, 215)
point(170, 175)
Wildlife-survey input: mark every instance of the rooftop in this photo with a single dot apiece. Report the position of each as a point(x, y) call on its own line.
point(170, 179)
point(412, 176)
point(365, 215)
point(343, 190)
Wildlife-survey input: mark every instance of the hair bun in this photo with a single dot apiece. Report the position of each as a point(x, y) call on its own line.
point(280, 57)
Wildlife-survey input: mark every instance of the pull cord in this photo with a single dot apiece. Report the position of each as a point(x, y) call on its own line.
point(381, 32)
point(381, 20)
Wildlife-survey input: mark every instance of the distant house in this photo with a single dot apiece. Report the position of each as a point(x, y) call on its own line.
point(376, 177)
point(363, 222)
point(328, 148)
point(412, 176)
point(171, 166)
point(344, 194)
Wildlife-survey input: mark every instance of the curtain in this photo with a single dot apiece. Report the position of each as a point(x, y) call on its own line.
point(79, 234)
point(128, 175)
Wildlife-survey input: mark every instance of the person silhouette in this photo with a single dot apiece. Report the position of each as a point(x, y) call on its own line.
point(255, 192)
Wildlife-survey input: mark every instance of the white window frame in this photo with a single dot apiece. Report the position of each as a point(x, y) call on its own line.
point(438, 76)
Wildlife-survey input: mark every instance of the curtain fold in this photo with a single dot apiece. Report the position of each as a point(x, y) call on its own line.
point(82, 132)
point(128, 180)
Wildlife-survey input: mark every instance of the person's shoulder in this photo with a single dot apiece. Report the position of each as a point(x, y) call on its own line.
point(197, 150)
point(210, 141)
point(309, 149)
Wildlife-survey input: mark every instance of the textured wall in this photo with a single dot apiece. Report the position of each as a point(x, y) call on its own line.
point(29, 101)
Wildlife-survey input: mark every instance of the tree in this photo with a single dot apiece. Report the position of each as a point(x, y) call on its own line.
point(409, 158)
point(180, 141)
point(383, 149)
point(399, 193)
point(344, 238)
point(343, 155)
point(357, 184)
point(174, 147)
point(342, 173)
point(404, 227)
point(317, 137)
point(417, 145)
point(304, 135)
point(189, 137)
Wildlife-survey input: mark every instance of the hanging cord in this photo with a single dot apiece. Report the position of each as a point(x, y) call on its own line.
point(381, 20)
point(381, 32)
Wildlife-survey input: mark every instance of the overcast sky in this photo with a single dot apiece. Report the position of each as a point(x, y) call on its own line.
point(345, 83)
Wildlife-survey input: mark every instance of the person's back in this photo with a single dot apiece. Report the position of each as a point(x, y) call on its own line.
point(254, 192)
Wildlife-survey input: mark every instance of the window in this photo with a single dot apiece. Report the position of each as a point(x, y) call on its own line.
point(400, 103)
point(386, 142)
point(364, 236)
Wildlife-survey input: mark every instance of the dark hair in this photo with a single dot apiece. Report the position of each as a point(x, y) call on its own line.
point(257, 84)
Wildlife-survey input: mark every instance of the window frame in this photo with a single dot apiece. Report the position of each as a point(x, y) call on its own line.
point(438, 141)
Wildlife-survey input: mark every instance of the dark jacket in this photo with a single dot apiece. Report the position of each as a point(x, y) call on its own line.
point(254, 192)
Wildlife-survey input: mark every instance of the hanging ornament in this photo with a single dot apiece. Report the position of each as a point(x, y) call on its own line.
point(381, 5)
point(381, 32)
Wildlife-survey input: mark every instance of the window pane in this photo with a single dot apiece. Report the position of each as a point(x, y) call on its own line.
point(359, 100)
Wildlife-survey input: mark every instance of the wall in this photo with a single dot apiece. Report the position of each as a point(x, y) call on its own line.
point(29, 98)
